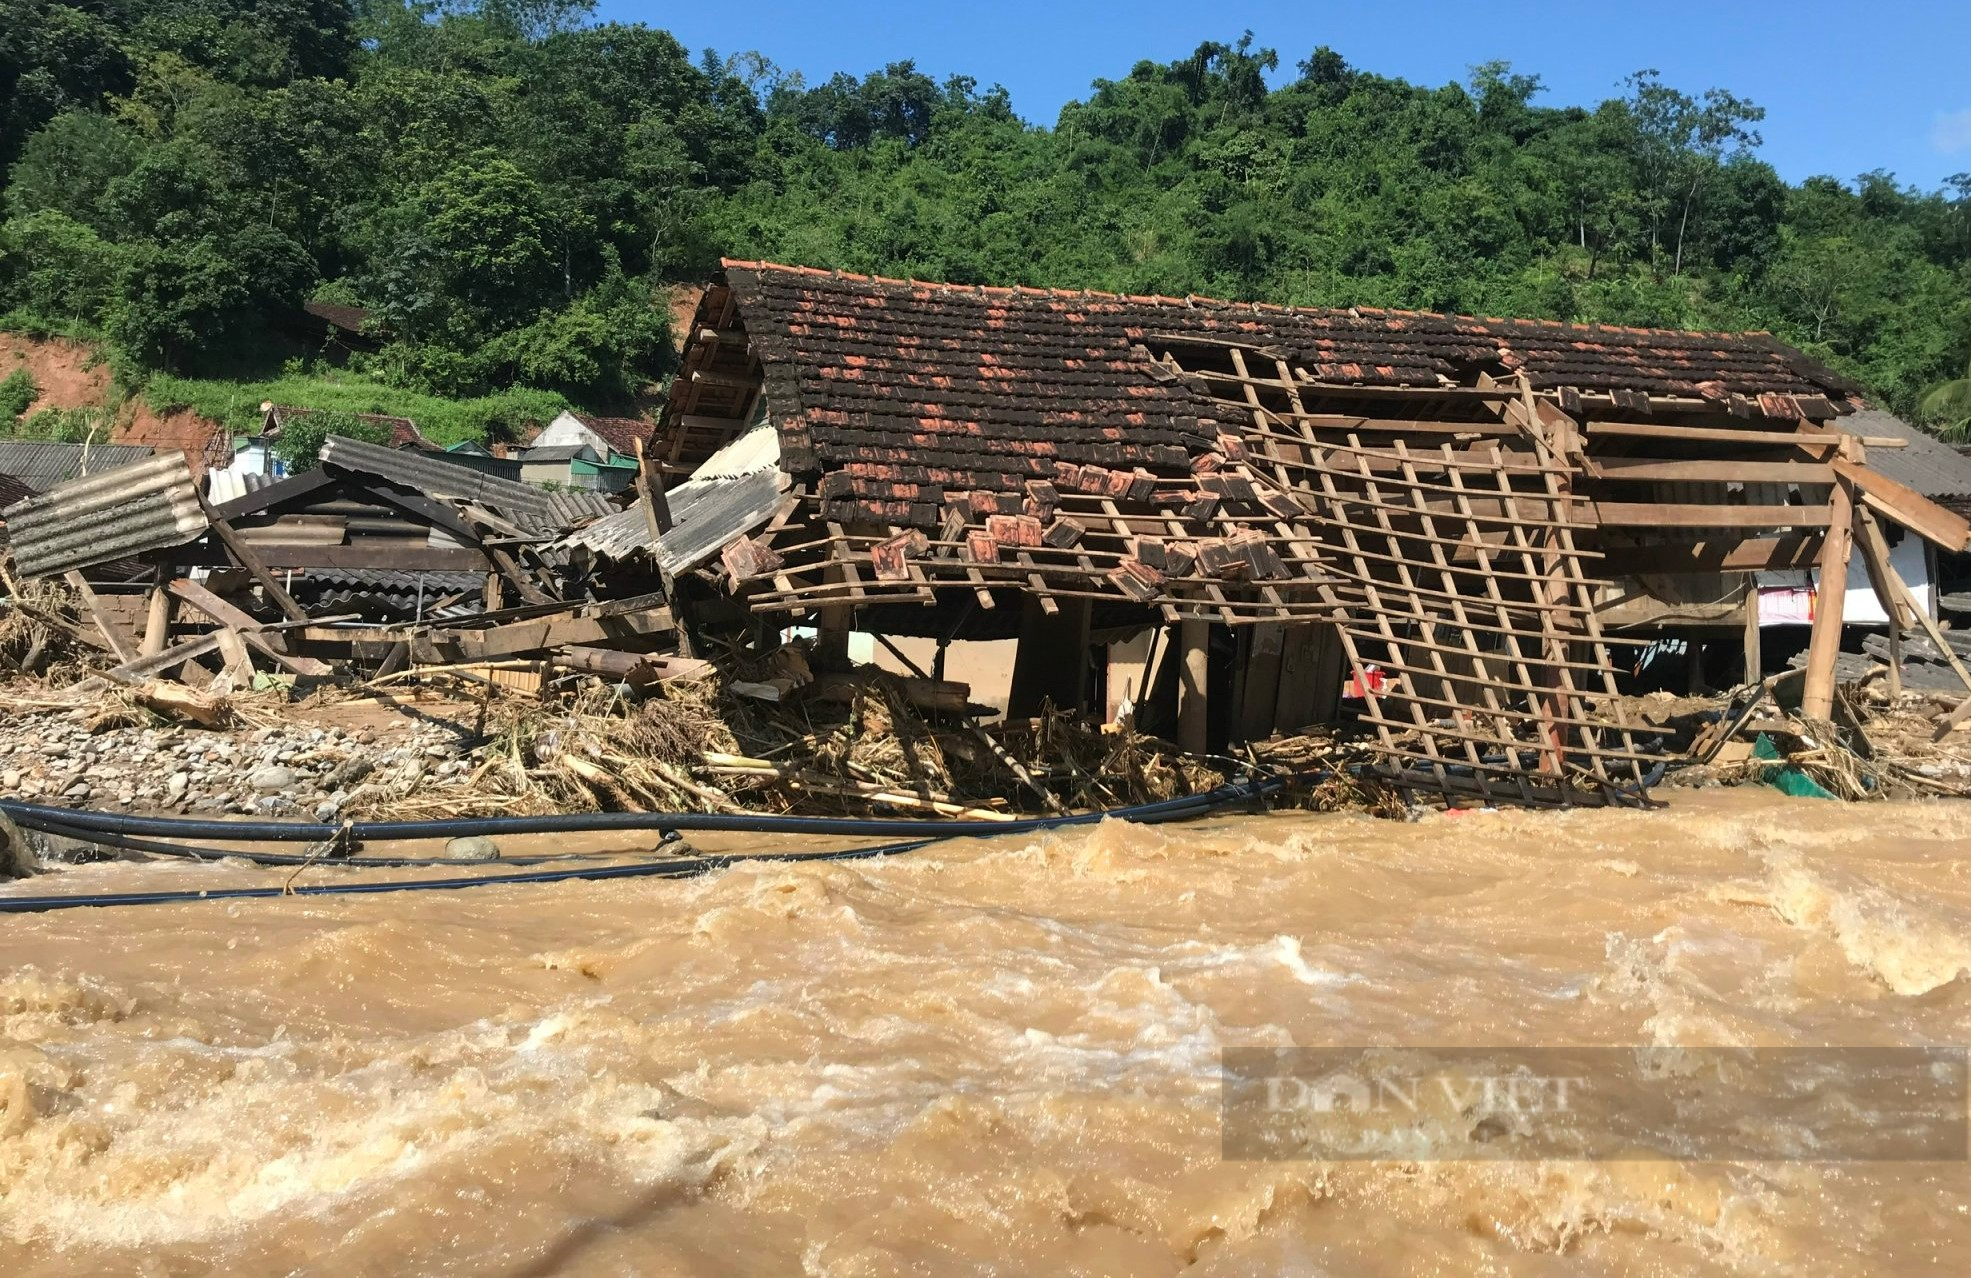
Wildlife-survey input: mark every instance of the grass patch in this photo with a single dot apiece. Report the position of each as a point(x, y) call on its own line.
point(236, 404)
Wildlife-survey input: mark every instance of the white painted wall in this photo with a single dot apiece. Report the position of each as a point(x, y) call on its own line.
point(566, 430)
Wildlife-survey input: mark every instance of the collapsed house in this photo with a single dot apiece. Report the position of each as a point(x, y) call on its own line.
point(1473, 526)
point(1481, 516)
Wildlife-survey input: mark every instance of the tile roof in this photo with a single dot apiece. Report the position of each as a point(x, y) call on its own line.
point(349, 319)
point(907, 392)
point(620, 433)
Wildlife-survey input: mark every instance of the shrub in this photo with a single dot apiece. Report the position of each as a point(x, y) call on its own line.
point(17, 391)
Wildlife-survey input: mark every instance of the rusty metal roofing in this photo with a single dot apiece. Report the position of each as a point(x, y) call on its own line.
point(538, 510)
point(41, 464)
point(1926, 464)
point(148, 505)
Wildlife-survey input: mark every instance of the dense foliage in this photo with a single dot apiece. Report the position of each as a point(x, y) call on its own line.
point(506, 186)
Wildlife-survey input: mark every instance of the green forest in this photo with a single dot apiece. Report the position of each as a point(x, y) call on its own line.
point(509, 185)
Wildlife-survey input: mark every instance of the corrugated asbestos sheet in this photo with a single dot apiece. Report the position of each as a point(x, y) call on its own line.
point(41, 465)
point(535, 509)
point(100, 518)
point(705, 515)
point(1927, 464)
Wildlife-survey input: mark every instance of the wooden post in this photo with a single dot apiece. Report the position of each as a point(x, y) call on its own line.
point(1830, 601)
point(1754, 664)
point(1051, 663)
point(157, 619)
point(656, 510)
point(1194, 649)
point(1259, 693)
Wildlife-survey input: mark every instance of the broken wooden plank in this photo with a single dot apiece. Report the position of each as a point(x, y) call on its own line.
point(557, 632)
point(138, 671)
point(255, 633)
point(511, 571)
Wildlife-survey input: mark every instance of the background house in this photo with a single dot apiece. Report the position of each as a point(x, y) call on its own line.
point(577, 467)
point(608, 436)
point(39, 465)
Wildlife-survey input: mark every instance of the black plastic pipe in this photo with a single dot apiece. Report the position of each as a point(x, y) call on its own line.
point(36, 816)
point(683, 868)
point(196, 852)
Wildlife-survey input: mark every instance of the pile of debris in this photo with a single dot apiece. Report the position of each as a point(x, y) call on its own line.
point(176, 666)
point(1879, 743)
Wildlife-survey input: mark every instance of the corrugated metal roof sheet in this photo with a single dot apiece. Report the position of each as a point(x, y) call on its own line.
point(436, 475)
point(705, 515)
point(1928, 464)
point(756, 449)
point(557, 452)
point(41, 464)
point(99, 518)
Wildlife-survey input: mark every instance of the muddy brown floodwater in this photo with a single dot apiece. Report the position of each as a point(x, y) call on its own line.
point(978, 1059)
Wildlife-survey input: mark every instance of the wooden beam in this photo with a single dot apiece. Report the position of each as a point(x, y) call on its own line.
point(233, 649)
point(1875, 556)
point(1625, 469)
point(1830, 601)
point(1716, 435)
point(557, 632)
point(1765, 554)
point(656, 510)
point(1908, 507)
point(121, 644)
point(145, 668)
point(1654, 514)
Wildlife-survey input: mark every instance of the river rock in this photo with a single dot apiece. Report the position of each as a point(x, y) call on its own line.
point(472, 848)
point(175, 788)
point(271, 780)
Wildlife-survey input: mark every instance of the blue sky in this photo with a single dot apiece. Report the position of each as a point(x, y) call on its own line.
point(1847, 87)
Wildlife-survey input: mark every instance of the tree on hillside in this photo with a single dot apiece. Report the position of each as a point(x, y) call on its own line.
point(1948, 404)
